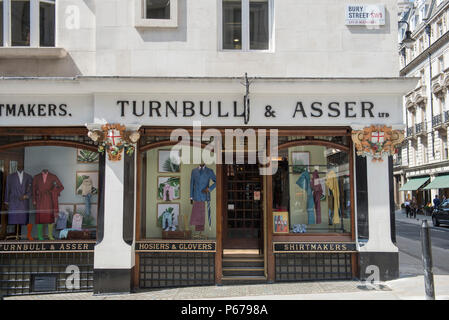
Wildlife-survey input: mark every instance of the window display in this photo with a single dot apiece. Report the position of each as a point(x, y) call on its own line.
point(311, 190)
point(51, 193)
point(179, 197)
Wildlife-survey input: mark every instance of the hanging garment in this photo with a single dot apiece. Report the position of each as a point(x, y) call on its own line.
point(45, 197)
point(198, 213)
point(330, 204)
point(86, 187)
point(168, 193)
point(61, 222)
point(317, 193)
point(332, 184)
point(304, 183)
point(199, 181)
point(18, 210)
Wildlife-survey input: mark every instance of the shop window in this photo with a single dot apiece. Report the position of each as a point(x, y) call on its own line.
point(50, 193)
point(246, 24)
point(173, 204)
point(20, 31)
point(156, 13)
point(311, 191)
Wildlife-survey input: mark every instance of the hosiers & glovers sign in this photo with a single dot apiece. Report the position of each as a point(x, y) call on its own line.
point(175, 246)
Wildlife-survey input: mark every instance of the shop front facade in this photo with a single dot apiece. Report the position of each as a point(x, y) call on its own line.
point(152, 144)
point(289, 170)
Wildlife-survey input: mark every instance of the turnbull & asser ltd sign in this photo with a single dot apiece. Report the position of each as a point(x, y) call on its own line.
point(225, 110)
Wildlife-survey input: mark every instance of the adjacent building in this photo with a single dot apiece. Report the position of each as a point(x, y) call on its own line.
point(422, 165)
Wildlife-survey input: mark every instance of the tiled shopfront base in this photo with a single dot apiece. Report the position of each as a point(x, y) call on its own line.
point(159, 270)
point(313, 266)
point(31, 273)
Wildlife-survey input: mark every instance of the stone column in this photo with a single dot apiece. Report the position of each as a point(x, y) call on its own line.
point(433, 192)
point(380, 250)
point(114, 255)
point(379, 253)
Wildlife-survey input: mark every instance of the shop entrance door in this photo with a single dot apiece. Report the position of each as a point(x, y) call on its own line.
point(243, 211)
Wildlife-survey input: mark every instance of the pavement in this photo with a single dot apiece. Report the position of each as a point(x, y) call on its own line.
point(410, 286)
point(407, 288)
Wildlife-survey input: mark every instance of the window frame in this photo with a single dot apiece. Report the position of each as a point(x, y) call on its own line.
point(34, 24)
point(141, 22)
point(246, 28)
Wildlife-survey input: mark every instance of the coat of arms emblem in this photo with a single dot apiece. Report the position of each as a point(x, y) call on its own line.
point(377, 141)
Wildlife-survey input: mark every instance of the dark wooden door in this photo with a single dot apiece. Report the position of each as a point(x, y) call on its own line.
point(243, 207)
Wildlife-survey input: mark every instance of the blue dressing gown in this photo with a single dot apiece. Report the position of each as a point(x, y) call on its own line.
point(304, 183)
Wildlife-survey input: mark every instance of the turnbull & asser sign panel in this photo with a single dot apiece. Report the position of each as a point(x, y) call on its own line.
point(212, 110)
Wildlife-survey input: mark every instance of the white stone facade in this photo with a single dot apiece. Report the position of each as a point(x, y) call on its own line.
point(309, 38)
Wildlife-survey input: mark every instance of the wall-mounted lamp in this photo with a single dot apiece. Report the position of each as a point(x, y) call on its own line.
point(408, 40)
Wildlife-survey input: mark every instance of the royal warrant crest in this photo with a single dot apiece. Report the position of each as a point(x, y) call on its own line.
point(377, 141)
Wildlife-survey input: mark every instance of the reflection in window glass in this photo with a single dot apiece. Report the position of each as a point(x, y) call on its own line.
point(311, 191)
point(169, 185)
point(53, 193)
point(158, 9)
point(1, 24)
point(20, 23)
point(232, 24)
point(13, 166)
point(47, 24)
point(258, 23)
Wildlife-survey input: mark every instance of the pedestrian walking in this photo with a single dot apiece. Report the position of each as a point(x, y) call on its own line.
point(414, 208)
point(407, 206)
point(436, 201)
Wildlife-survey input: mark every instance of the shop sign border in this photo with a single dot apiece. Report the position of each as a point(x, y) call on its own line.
point(45, 247)
point(174, 246)
point(312, 247)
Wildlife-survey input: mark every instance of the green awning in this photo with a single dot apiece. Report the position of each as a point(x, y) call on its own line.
point(440, 182)
point(414, 184)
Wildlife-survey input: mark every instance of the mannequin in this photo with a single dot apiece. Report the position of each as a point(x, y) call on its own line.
point(17, 200)
point(200, 195)
point(46, 190)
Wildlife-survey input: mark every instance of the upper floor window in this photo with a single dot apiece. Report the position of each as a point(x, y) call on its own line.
point(246, 24)
point(156, 13)
point(440, 28)
point(157, 9)
point(26, 23)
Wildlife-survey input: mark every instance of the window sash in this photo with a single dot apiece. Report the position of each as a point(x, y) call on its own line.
point(1, 24)
point(161, 13)
point(28, 34)
point(248, 36)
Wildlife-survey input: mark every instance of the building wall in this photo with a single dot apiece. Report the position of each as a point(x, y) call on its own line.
point(310, 39)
